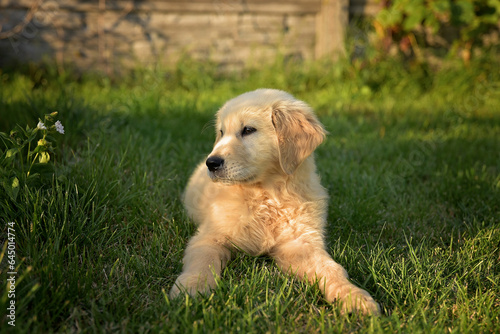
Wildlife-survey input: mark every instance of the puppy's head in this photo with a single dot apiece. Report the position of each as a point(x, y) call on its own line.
point(261, 133)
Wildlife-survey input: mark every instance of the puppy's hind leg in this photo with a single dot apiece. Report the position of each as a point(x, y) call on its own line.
point(313, 262)
point(204, 260)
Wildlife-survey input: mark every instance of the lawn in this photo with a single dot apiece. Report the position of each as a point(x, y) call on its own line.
point(412, 165)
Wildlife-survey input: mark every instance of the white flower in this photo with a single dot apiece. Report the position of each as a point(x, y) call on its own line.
point(41, 126)
point(59, 127)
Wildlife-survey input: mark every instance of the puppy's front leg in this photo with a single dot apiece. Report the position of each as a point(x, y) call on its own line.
point(312, 261)
point(204, 258)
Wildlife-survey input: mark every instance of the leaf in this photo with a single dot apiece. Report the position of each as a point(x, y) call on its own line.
point(494, 4)
point(432, 23)
point(15, 182)
point(462, 12)
point(5, 136)
point(490, 19)
point(11, 187)
point(11, 153)
point(389, 17)
point(9, 156)
point(440, 6)
point(414, 19)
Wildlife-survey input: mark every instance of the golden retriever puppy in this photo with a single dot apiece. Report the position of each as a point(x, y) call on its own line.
point(258, 191)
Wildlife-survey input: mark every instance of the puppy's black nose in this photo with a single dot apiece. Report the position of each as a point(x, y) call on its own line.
point(214, 163)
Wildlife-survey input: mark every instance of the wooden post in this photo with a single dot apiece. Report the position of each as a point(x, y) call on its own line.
point(331, 23)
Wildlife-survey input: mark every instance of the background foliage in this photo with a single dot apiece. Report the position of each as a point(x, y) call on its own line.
point(454, 25)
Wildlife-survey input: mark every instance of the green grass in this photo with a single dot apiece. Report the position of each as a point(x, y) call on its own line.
point(412, 165)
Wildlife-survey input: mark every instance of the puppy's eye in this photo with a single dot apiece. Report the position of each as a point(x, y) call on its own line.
point(247, 130)
point(221, 133)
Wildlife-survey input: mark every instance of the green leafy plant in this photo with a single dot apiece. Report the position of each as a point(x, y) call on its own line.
point(25, 158)
point(409, 23)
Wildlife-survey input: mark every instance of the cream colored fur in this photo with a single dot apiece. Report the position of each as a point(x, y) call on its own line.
point(266, 198)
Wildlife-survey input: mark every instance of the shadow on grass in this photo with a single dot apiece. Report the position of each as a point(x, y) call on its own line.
point(425, 176)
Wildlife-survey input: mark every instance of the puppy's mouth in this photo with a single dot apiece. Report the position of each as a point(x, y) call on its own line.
point(226, 178)
point(220, 170)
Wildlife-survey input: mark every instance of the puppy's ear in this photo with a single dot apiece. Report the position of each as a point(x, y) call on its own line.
point(299, 133)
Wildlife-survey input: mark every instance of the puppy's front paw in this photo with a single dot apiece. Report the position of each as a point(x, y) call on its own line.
point(192, 284)
point(358, 300)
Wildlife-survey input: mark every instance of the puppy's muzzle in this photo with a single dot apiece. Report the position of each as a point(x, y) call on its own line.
point(214, 163)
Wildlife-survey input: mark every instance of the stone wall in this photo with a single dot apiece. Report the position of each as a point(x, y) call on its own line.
point(107, 35)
